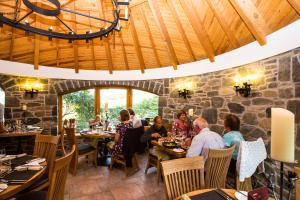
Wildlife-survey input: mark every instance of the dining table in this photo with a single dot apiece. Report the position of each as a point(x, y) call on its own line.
point(99, 140)
point(14, 189)
point(230, 192)
point(170, 151)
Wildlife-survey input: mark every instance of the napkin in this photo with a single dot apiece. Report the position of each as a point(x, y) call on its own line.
point(21, 155)
point(3, 186)
point(36, 161)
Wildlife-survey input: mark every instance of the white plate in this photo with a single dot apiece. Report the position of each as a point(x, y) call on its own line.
point(178, 150)
point(3, 186)
point(240, 196)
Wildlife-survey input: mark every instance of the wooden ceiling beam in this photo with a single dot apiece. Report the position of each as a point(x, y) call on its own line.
point(252, 18)
point(296, 5)
point(92, 46)
point(218, 9)
point(74, 44)
point(106, 40)
point(163, 29)
point(36, 42)
point(180, 28)
point(136, 43)
point(199, 29)
point(123, 50)
point(144, 18)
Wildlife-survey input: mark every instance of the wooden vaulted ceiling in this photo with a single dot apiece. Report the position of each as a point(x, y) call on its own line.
point(159, 33)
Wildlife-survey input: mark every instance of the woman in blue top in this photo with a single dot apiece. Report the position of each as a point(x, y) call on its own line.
point(232, 136)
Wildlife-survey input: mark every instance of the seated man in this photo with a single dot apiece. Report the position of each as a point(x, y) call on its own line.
point(204, 140)
point(155, 131)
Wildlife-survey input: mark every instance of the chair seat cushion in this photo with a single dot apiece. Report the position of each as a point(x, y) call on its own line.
point(41, 181)
point(85, 148)
point(40, 195)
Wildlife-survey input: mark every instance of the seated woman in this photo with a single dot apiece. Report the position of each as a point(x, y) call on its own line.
point(155, 131)
point(120, 132)
point(231, 137)
point(181, 127)
point(95, 122)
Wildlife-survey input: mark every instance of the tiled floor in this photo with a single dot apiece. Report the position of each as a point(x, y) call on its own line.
point(92, 183)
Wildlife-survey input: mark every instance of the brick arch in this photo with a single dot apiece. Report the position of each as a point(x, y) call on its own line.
point(68, 86)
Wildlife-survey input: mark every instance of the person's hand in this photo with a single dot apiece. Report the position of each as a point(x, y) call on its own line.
point(155, 135)
point(187, 142)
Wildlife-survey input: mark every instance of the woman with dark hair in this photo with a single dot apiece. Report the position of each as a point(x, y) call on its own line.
point(120, 132)
point(232, 136)
point(180, 126)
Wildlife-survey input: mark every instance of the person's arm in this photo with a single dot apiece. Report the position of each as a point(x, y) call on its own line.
point(196, 147)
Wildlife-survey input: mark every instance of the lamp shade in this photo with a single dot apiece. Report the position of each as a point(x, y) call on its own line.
point(282, 135)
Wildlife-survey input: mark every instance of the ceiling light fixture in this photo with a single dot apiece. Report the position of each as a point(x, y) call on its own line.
point(120, 6)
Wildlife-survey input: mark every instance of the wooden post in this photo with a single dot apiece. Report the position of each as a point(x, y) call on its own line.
point(60, 110)
point(97, 101)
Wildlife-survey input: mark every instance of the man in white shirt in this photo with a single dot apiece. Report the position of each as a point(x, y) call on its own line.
point(204, 140)
point(136, 123)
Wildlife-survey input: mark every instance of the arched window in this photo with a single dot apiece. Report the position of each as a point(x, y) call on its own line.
point(83, 105)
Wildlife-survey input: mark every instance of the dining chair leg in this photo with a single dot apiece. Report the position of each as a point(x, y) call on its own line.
point(111, 163)
point(95, 159)
point(158, 167)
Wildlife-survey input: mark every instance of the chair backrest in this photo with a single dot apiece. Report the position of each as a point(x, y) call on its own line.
point(130, 145)
point(297, 171)
point(71, 136)
point(183, 175)
point(45, 147)
point(59, 176)
point(216, 167)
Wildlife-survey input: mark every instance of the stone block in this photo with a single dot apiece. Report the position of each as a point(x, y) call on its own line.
point(296, 69)
point(12, 101)
point(162, 101)
point(211, 115)
point(212, 93)
point(270, 93)
point(262, 101)
point(236, 108)
point(284, 69)
point(250, 118)
point(217, 102)
point(286, 93)
point(51, 99)
point(294, 106)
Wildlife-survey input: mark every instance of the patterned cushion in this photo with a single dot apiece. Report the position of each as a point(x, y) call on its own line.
point(85, 148)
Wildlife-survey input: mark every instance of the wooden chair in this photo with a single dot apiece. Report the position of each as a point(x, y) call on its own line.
point(57, 181)
point(61, 145)
point(155, 157)
point(82, 150)
point(246, 185)
point(121, 159)
point(183, 175)
point(216, 167)
point(45, 147)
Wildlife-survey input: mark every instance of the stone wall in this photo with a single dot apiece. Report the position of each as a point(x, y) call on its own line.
point(42, 109)
point(213, 97)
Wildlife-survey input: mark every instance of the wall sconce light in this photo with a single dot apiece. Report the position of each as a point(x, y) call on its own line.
point(242, 84)
point(124, 9)
point(185, 93)
point(243, 90)
point(32, 89)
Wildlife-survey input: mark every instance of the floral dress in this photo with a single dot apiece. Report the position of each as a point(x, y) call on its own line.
point(180, 128)
point(120, 129)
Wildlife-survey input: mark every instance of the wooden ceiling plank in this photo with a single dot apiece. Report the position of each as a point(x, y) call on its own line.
point(106, 40)
point(123, 50)
point(296, 5)
point(74, 44)
point(199, 29)
point(171, 6)
point(252, 18)
point(136, 43)
point(36, 42)
point(92, 45)
point(217, 7)
point(11, 47)
point(144, 18)
point(164, 32)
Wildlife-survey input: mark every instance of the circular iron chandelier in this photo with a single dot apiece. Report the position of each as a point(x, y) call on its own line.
point(56, 10)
